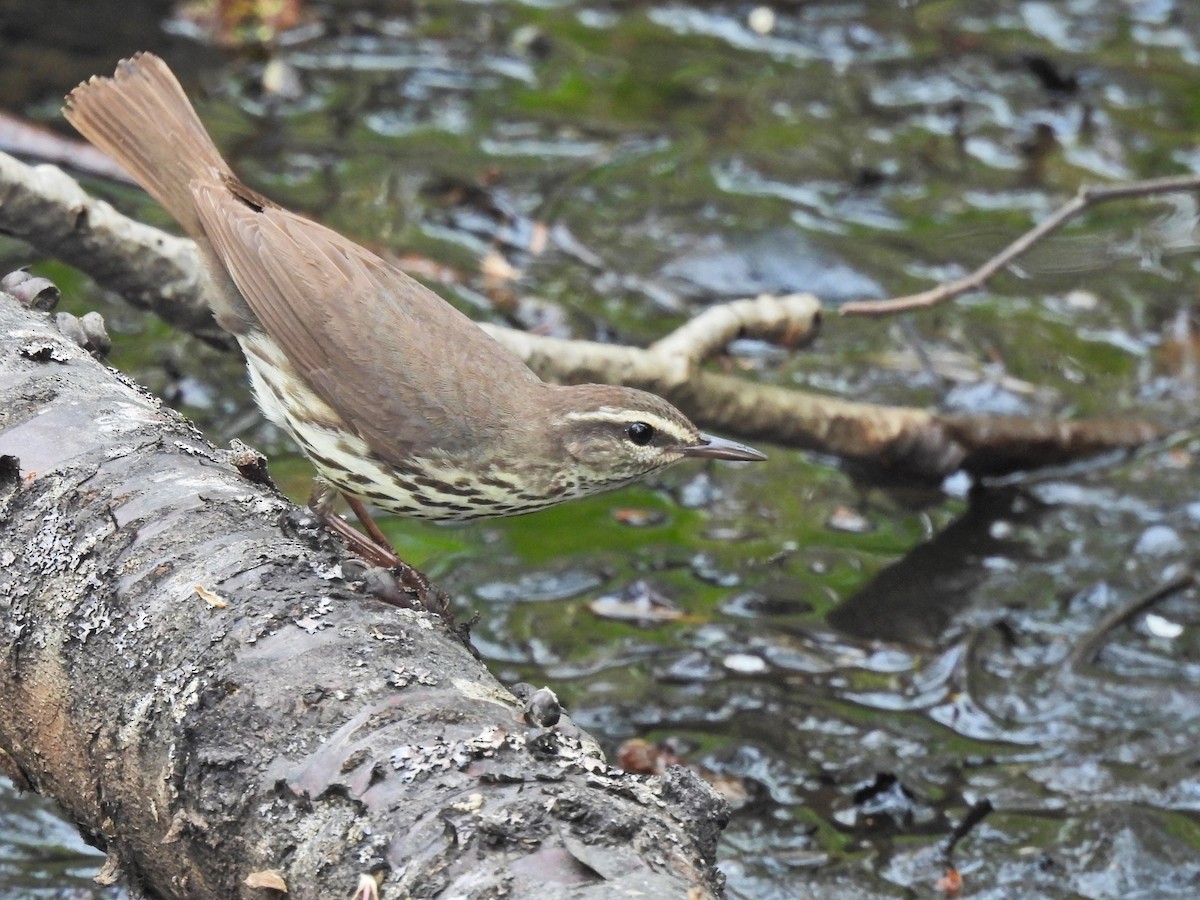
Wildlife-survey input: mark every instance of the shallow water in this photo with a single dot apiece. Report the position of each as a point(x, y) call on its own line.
point(856, 665)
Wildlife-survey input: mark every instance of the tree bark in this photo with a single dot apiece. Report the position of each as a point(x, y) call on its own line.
point(191, 668)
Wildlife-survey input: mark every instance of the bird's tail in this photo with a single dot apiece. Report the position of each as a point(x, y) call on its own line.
point(142, 119)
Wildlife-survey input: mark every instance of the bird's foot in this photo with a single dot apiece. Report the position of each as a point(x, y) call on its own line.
point(376, 549)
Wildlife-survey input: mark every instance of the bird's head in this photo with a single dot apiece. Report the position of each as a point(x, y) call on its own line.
point(611, 435)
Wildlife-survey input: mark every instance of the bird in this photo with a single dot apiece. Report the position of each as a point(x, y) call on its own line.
point(397, 398)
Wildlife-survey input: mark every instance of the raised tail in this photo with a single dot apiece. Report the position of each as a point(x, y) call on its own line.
point(142, 118)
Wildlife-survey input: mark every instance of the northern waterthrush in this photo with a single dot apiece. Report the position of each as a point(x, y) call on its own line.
point(397, 398)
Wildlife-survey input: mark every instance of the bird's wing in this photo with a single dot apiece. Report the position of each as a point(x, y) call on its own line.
point(401, 366)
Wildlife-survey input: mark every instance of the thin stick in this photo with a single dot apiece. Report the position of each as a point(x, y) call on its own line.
point(1087, 648)
point(979, 811)
point(1088, 196)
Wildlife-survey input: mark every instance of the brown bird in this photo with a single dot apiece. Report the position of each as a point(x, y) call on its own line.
point(397, 398)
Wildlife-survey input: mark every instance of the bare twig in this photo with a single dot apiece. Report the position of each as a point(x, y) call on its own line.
point(152, 269)
point(1085, 651)
point(1088, 196)
point(790, 320)
point(979, 811)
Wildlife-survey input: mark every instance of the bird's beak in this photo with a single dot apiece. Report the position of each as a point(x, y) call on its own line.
point(711, 447)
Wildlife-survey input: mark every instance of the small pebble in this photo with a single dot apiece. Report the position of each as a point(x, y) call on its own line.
point(1159, 540)
point(745, 663)
point(761, 20)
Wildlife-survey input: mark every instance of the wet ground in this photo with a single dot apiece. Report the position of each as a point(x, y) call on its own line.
point(857, 666)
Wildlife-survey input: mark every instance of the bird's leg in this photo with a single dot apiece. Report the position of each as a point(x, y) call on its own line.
point(376, 552)
point(408, 576)
point(369, 524)
point(358, 543)
point(375, 548)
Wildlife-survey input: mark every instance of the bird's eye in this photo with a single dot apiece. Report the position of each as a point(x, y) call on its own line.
point(640, 433)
